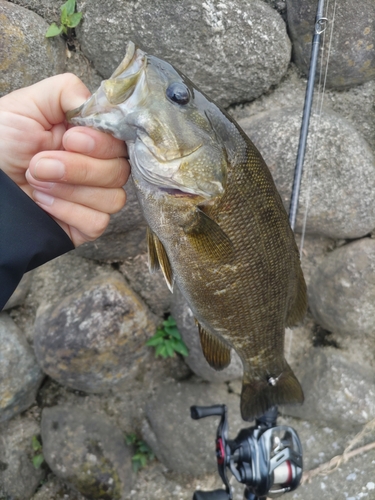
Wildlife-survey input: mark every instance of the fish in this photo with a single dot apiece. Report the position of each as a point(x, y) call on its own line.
point(217, 227)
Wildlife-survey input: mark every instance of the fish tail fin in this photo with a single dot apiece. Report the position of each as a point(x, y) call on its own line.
point(261, 393)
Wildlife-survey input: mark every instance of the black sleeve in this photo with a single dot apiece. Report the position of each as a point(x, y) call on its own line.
point(29, 237)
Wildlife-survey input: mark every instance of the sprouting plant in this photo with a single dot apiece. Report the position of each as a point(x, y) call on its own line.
point(38, 457)
point(167, 340)
point(69, 19)
point(143, 452)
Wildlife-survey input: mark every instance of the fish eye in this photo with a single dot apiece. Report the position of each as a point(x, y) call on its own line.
point(178, 92)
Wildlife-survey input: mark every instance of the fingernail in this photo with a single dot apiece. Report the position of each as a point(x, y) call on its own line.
point(48, 168)
point(43, 198)
point(78, 141)
point(38, 184)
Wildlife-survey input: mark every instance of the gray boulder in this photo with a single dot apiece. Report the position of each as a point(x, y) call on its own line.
point(352, 55)
point(342, 296)
point(182, 444)
point(234, 51)
point(339, 391)
point(26, 55)
point(95, 338)
point(87, 451)
point(18, 476)
point(343, 177)
point(20, 374)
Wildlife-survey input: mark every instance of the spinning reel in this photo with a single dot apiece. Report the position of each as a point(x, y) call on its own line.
point(267, 458)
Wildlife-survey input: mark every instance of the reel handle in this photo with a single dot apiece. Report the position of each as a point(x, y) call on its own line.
point(198, 412)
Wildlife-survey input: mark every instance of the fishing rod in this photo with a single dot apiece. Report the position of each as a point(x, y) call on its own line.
point(319, 28)
point(266, 458)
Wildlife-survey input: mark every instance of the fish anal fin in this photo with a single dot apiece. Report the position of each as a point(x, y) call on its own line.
point(158, 258)
point(208, 237)
point(215, 351)
point(261, 393)
point(299, 306)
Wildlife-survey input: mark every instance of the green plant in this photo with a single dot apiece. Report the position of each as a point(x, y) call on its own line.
point(38, 457)
point(143, 452)
point(69, 19)
point(167, 340)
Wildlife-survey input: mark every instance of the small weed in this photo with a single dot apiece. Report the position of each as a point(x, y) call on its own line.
point(38, 457)
point(167, 340)
point(143, 452)
point(69, 20)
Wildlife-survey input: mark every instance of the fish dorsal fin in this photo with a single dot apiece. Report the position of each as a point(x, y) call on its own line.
point(299, 306)
point(215, 351)
point(158, 258)
point(207, 237)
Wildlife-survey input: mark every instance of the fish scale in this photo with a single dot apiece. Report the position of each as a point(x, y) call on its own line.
point(218, 228)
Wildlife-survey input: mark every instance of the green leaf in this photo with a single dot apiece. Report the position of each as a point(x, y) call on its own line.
point(131, 438)
point(69, 7)
point(54, 30)
point(154, 341)
point(38, 460)
point(64, 15)
point(169, 349)
point(74, 20)
point(161, 351)
point(36, 444)
point(181, 348)
point(173, 332)
point(169, 322)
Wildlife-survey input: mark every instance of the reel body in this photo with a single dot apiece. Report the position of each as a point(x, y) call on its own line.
point(267, 458)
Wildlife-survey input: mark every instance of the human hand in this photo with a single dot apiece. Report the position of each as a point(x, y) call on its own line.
point(75, 174)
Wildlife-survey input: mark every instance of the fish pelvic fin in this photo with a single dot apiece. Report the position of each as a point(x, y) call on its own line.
point(158, 258)
point(261, 393)
point(217, 353)
point(299, 305)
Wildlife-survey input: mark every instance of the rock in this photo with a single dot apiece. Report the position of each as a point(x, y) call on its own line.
point(339, 391)
point(20, 292)
point(94, 338)
point(352, 54)
point(48, 9)
point(341, 196)
point(20, 374)
point(124, 237)
point(314, 250)
point(342, 296)
point(87, 451)
point(182, 444)
point(234, 51)
point(152, 288)
point(18, 476)
point(26, 56)
point(196, 360)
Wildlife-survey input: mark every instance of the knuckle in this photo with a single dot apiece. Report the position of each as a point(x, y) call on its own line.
point(99, 224)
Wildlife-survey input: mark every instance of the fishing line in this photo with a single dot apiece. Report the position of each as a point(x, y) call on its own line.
point(318, 113)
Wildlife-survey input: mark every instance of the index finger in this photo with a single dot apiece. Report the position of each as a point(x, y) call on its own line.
point(93, 143)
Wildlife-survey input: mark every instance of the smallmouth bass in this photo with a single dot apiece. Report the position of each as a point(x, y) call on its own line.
point(217, 225)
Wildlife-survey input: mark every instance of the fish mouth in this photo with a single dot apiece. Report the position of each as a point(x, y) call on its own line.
point(112, 92)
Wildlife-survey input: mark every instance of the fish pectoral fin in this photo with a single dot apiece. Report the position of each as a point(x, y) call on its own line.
point(215, 351)
point(158, 258)
point(207, 237)
point(260, 393)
